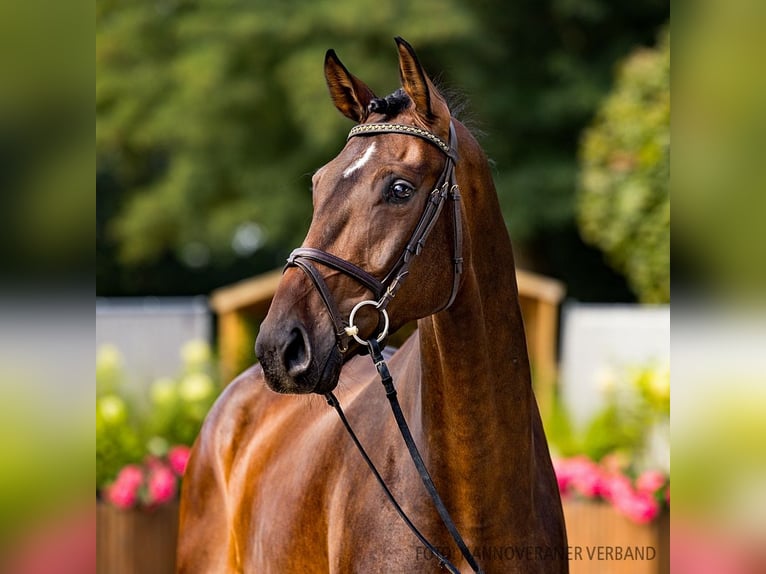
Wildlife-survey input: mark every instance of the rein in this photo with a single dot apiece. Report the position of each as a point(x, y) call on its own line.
point(417, 459)
point(383, 292)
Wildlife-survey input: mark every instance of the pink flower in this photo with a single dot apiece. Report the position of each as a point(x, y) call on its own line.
point(586, 477)
point(178, 457)
point(161, 486)
point(123, 492)
point(563, 475)
point(607, 480)
point(617, 488)
point(650, 481)
point(581, 475)
point(640, 507)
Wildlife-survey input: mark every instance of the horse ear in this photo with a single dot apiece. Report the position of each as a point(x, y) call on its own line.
point(429, 103)
point(350, 94)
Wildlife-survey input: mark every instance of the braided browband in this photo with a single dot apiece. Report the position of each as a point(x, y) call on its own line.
point(365, 129)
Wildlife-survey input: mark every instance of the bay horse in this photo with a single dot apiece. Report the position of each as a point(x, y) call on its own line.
point(274, 483)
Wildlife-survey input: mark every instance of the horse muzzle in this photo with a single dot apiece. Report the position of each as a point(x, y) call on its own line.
point(294, 363)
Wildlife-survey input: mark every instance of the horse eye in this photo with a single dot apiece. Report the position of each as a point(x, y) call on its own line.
point(400, 191)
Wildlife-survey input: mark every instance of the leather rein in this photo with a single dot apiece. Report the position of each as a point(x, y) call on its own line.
point(383, 292)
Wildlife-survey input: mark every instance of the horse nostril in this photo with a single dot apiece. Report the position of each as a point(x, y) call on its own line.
point(297, 354)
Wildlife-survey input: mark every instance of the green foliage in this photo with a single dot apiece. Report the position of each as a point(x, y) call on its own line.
point(560, 432)
point(46, 451)
point(129, 426)
point(211, 117)
point(719, 172)
point(637, 404)
point(46, 145)
point(624, 202)
point(117, 442)
point(538, 72)
point(609, 431)
point(178, 406)
point(718, 449)
point(117, 438)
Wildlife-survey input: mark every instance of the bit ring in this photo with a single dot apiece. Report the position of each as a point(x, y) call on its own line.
point(353, 330)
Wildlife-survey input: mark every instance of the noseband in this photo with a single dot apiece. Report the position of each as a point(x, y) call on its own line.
point(384, 290)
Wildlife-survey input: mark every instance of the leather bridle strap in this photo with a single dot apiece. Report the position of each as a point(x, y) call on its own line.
point(335, 262)
point(301, 258)
point(324, 292)
point(384, 128)
point(445, 188)
point(443, 561)
point(385, 290)
point(388, 384)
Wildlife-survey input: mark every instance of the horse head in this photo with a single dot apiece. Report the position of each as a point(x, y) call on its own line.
point(369, 202)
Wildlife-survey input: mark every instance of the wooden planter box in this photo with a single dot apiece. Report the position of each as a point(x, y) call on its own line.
point(602, 541)
point(137, 541)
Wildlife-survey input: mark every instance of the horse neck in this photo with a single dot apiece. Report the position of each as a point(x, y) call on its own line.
point(477, 409)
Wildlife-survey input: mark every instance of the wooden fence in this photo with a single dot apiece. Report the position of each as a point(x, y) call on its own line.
point(242, 306)
point(136, 541)
point(603, 541)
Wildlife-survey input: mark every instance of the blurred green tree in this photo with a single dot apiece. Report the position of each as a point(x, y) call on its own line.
point(624, 203)
point(211, 117)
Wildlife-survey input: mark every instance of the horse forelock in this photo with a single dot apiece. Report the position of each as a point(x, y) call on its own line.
point(398, 101)
point(392, 105)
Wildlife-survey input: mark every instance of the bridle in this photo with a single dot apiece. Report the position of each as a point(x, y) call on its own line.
point(383, 292)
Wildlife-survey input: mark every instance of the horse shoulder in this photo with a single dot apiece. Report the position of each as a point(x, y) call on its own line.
point(206, 542)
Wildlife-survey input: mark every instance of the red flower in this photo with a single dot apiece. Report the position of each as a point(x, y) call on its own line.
point(585, 476)
point(161, 486)
point(608, 482)
point(178, 457)
point(650, 481)
point(617, 488)
point(563, 475)
point(123, 492)
point(639, 507)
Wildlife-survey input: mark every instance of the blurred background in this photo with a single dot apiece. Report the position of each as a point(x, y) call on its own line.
point(211, 117)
